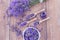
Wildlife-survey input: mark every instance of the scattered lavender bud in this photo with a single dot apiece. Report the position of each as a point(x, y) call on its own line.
point(18, 32)
point(29, 17)
point(36, 23)
point(43, 15)
point(23, 23)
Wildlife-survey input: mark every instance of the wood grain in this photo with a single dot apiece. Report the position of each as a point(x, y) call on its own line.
point(53, 25)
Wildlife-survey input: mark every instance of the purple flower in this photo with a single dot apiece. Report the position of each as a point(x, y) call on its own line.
point(17, 8)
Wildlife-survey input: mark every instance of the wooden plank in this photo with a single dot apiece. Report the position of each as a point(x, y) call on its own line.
point(53, 25)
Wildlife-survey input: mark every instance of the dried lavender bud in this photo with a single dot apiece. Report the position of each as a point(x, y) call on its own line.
point(17, 8)
point(36, 23)
point(31, 34)
point(18, 31)
point(43, 15)
point(29, 17)
point(23, 23)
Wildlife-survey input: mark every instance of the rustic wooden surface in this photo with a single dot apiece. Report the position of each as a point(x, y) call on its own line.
point(53, 25)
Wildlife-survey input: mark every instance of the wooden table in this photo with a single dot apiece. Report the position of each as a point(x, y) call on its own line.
point(53, 25)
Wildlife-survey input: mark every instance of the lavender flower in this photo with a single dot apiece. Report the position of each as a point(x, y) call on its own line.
point(18, 7)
